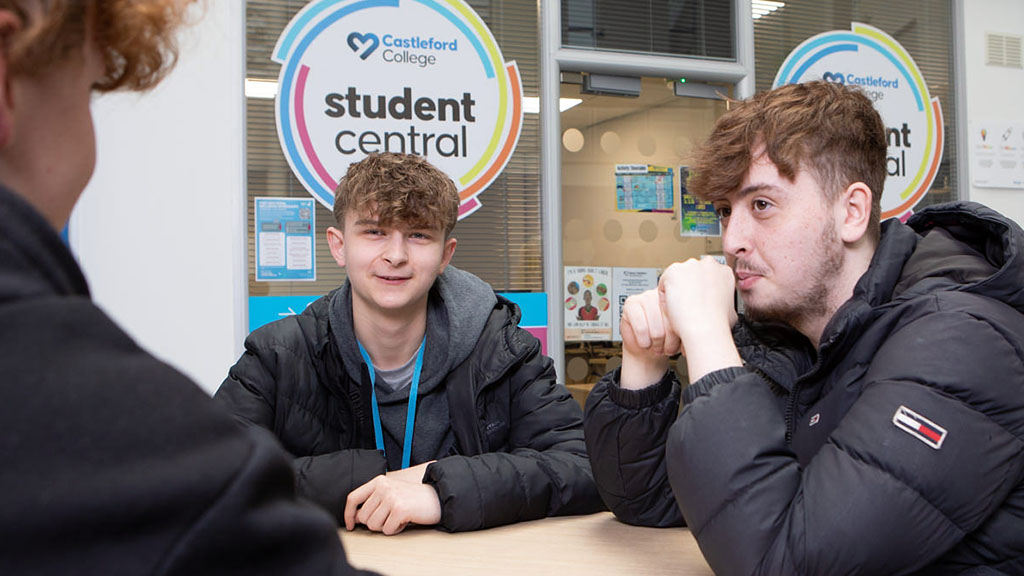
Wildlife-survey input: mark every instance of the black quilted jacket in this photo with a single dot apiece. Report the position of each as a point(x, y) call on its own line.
point(519, 434)
point(897, 447)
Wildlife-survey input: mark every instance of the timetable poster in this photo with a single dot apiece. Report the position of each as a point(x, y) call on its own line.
point(643, 188)
point(588, 303)
point(696, 218)
point(625, 283)
point(284, 239)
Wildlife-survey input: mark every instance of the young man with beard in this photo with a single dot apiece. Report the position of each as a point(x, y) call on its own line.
point(113, 462)
point(409, 395)
point(867, 414)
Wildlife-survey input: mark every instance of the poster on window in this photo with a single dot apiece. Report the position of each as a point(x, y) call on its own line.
point(588, 303)
point(284, 239)
point(696, 218)
point(425, 78)
point(643, 188)
point(625, 283)
point(997, 154)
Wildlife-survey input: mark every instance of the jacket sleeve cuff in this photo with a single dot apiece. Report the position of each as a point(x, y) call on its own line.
point(704, 386)
point(458, 513)
point(642, 398)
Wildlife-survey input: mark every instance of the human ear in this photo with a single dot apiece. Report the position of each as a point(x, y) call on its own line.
point(336, 240)
point(449, 251)
point(10, 24)
point(854, 211)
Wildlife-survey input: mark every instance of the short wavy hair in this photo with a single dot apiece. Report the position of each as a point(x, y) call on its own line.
point(830, 130)
point(136, 37)
point(398, 188)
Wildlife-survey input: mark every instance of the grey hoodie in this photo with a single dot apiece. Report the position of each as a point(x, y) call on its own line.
point(458, 307)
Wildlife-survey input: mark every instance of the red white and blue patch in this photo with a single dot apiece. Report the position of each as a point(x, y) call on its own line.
point(919, 427)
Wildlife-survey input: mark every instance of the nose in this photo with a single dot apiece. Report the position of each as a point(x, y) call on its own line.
point(395, 252)
point(736, 234)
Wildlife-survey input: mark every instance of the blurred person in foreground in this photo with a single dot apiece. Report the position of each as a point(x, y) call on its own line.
point(113, 462)
point(866, 415)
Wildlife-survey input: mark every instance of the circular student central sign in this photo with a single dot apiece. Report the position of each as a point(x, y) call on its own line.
point(867, 57)
point(415, 76)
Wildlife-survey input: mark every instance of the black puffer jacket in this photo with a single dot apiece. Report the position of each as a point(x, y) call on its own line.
point(819, 463)
point(115, 463)
point(519, 451)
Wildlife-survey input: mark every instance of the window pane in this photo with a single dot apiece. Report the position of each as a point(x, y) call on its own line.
point(500, 242)
point(700, 28)
point(924, 28)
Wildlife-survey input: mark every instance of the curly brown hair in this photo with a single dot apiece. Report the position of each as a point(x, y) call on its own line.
point(398, 188)
point(830, 130)
point(135, 37)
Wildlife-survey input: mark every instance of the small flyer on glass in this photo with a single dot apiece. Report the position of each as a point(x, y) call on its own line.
point(625, 283)
point(284, 239)
point(588, 305)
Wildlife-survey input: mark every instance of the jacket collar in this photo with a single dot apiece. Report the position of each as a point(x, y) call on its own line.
point(954, 246)
point(34, 262)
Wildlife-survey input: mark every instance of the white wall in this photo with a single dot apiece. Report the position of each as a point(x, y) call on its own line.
point(993, 93)
point(159, 229)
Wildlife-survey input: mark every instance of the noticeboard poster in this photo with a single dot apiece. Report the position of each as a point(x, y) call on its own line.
point(284, 239)
point(587, 299)
point(643, 188)
point(696, 218)
point(625, 283)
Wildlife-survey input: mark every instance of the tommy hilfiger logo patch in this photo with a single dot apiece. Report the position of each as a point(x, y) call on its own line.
point(919, 427)
point(815, 419)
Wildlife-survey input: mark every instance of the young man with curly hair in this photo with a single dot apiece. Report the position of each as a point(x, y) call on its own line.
point(409, 394)
point(866, 416)
point(113, 462)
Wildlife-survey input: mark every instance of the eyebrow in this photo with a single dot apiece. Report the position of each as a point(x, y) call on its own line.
point(753, 189)
point(374, 223)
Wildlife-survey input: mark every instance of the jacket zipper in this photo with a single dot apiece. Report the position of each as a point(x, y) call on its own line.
point(791, 403)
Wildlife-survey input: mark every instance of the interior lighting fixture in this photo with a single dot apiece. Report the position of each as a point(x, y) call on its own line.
point(531, 104)
point(258, 88)
point(764, 7)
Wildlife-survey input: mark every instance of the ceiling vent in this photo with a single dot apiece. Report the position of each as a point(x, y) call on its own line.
point(1003, 50)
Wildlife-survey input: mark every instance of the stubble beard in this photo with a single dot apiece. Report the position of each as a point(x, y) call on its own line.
point(803, 306)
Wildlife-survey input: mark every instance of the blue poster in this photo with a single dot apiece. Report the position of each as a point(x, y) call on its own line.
point(643, 188)
point(284, 239)
point(266, 309)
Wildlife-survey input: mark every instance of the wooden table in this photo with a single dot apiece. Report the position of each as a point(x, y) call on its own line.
point(592, 545)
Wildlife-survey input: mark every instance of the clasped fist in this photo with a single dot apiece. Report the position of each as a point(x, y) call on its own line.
point(390, 502)
point(693, 299)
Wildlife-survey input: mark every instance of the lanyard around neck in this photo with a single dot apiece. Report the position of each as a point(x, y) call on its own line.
point(410, 418)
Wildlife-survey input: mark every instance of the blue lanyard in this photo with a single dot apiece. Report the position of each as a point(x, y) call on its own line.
point(410, 419)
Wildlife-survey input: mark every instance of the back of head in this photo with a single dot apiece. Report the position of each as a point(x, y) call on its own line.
point(830, 130)
point(398, 189)
point(135, 37)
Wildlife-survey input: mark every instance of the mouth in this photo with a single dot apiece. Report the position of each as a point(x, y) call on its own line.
point(392, 279)
point(745, 280)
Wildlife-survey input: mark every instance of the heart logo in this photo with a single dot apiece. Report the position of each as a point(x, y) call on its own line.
point(363, 44)
point(835, 78)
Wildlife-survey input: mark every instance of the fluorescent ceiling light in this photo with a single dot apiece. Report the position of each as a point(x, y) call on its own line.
point(257, 88)
point(531, 104)
point(764, 7)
